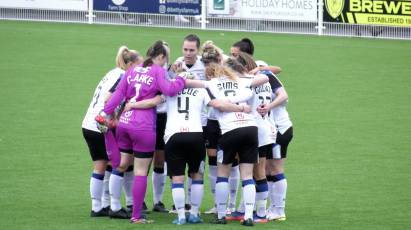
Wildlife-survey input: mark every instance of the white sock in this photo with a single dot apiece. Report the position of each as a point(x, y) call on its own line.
point(221, 196)
point(115, 185)
point(249, 198)
point(188, 196)
point(106, 193)
point(261, 198)
point(233, 181)
point(178, 194)
point(197, 192)
point(96, 191)
point(212, 177)
point(128, 187)
point(279, 196)
point(241, 203)
point(158, 179)
point(261, 203)
point(270, 192)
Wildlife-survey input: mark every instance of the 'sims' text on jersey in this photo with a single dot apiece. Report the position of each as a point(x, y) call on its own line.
point(227, 85)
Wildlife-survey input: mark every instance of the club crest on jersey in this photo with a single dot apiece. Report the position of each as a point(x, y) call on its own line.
point(239, 116)
point(334, 7)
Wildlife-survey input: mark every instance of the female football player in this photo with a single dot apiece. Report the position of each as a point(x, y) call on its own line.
point(213, 54)
point(266, 137)
point(93, 136)
point(135, 132)
point(239, 136)
point(275, 166)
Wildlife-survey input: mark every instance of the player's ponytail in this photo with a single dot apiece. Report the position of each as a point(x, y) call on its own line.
point(120, 63)
point(210, 53)
point(158, 48)
point(125, 56)
point(247, 61)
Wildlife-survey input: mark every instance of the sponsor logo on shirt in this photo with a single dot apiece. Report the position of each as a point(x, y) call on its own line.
point(184, 129)
point(125, 118)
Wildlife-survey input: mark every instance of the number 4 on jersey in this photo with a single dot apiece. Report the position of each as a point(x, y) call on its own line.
point(182, 109)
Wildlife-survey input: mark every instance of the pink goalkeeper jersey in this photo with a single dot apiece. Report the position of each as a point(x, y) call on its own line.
point(141, 83)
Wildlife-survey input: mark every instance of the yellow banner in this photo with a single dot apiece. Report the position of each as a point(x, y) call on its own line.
point(383, 19)
point(369, 12)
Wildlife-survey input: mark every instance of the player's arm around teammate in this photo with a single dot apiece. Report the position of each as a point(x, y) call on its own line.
point(144, 104)
point(273, 69)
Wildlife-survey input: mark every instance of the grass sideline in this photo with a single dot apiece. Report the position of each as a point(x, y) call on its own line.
point(348, 165)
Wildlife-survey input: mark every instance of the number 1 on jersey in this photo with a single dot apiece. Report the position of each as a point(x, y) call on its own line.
point(137, 87)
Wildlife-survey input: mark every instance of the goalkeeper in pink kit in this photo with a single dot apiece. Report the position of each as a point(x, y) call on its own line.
point(136, 130)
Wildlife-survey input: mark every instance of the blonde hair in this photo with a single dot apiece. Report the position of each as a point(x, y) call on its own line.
point(125, 56)
point(210, 43)
point(214, 70)
point(211, 53)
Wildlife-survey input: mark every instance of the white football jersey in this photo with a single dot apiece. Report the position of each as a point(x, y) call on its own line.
point(279, 114)
point(184, 111)
point(267, 131)
point(162, 107)
point(198, 70)
point(97, 103)
point(222, 88)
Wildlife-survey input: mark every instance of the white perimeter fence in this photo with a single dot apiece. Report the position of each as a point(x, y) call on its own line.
point(315, 26)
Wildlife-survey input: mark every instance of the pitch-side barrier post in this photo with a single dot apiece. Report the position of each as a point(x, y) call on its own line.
point(320, 25)
point(90, 11)
point(203, 14)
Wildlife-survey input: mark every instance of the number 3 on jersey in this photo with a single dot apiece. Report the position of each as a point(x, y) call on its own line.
point(97, 95)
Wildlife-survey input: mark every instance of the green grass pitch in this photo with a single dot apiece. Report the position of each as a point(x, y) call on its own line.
point(349, 164)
